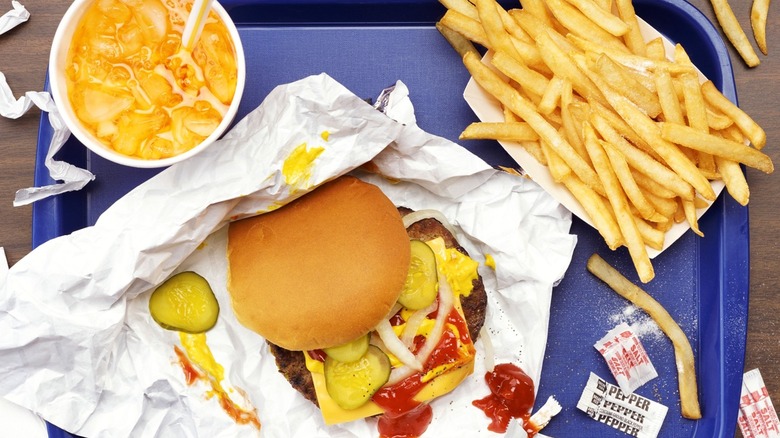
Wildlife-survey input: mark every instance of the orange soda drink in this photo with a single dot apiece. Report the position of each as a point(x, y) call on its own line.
point(134, 87)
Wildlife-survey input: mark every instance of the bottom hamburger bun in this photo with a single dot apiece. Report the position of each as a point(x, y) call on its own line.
point(292, 364)
point(322, 270)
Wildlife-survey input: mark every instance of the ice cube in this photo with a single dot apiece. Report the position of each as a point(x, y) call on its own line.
point(152, 16)
point(136, 127)
point(99, 103)
point(156, 148)
point(105, 47)
point(157, 89)
point(116, 11)
point(202, 123)
point(214, 54)
point(130, 38)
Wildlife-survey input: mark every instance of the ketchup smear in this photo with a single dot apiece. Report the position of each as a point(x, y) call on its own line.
point(405, 417)
point(511, 396)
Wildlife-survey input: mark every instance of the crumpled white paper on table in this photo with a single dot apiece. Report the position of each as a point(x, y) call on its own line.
point(80, 348)
point(14, 17)
point(71, 177)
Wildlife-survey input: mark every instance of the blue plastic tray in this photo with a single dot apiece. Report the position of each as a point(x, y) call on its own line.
point(367, 46)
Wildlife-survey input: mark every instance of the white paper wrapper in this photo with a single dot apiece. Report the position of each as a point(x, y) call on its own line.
point(72, 177)
point(81, 349)
point(14, 17)
point(488, 109)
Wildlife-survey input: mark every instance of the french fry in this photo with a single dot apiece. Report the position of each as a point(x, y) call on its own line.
point(468, 27)
point(652, 186)
point(716, 145)
point(683, 353)
point(571, 127)
point(516, 131)
point(696, 113)
point(730, 25)
point(458, 42)
point(670, 105)
point(465, 7)
point(758, 14)
point(597, 210)
point(734, 178)
point(654, 49)
point(537, 9)
point(746, 124)
point(718, 121)
point(653, 237)
point(689, 208)
point(508, 96)
point(625, 84)
point(629, 60)
point(618, 201)
point(552, 95)
point(497, 36)
point(603, 18)
point(519, 72)
point(632, 38)
point(558, 168)
point(562, 65)
point(629, 184)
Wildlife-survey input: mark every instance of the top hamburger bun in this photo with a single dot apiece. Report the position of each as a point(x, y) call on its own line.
point(322, 270)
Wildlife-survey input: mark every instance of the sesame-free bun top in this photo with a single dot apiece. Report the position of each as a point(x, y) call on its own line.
point(321, 271)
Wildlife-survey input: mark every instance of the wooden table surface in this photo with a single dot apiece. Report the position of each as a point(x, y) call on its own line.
point(24, 53)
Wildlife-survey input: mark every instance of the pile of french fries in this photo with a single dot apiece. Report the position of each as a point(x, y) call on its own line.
point(635, 137)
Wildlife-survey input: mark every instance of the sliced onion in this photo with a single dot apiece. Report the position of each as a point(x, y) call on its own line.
point(446, 302)
point(488, 344)
point(396, 347)
point(417, 216)
point(414, 323)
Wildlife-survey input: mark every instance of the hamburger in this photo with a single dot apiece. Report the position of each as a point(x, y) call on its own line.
point(368, 308)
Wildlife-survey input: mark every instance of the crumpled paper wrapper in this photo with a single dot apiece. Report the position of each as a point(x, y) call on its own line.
point(71, 177)
point(14, 17)
point(80, 348)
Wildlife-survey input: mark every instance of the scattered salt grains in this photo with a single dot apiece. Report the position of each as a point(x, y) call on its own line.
point(641, 324)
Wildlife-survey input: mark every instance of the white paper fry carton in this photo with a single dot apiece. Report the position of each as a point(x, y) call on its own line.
point(80, 348)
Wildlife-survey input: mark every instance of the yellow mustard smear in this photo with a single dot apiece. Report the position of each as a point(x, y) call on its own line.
point(490, 261)
point(325, 135)
point(459, 269)
point(199, 352)
point(297, 167)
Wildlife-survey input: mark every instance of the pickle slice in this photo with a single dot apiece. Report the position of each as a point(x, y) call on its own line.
point(422, 282)
point(351, 384)
point(349, 352)
point(184, 302)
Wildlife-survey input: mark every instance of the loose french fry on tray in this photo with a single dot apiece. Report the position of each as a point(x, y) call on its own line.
point(730, 25)
point(683, 353)
point(623, 125)
point(758, 14)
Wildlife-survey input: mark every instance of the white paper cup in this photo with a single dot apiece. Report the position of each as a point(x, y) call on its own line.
point(59, 92)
